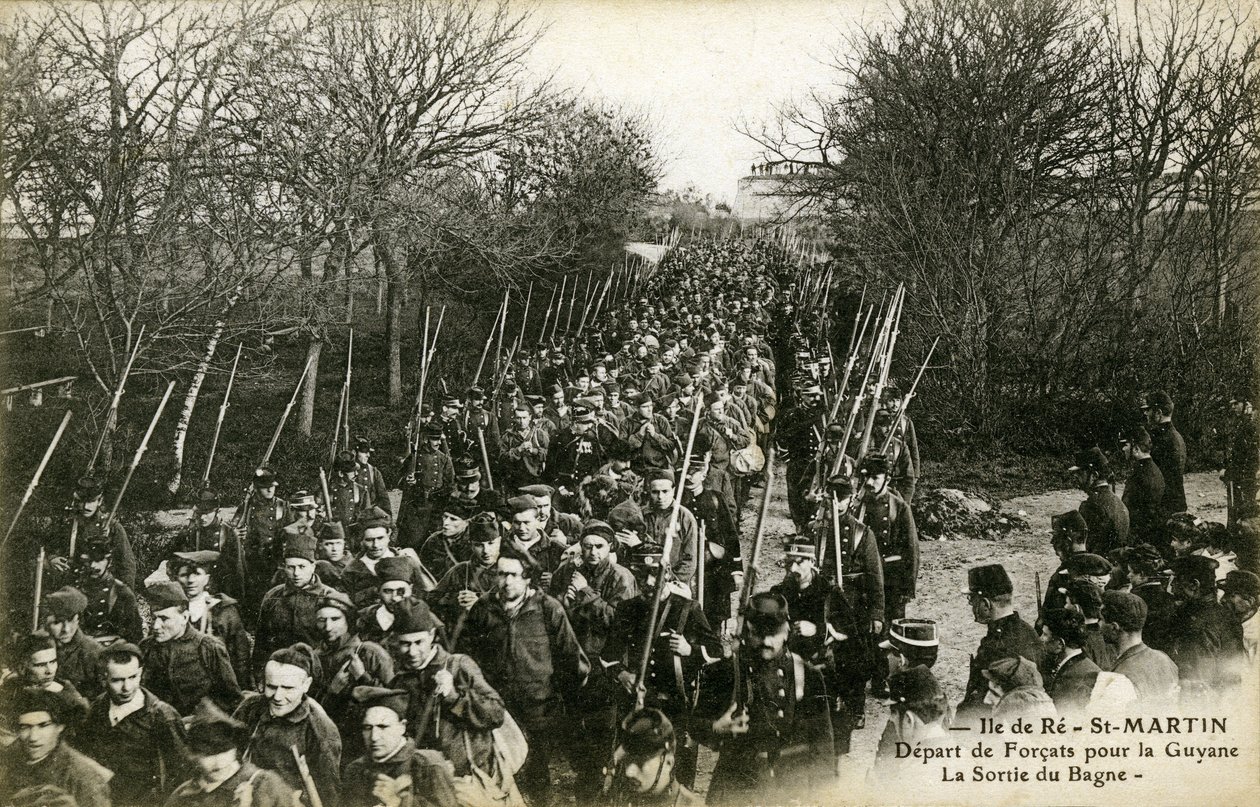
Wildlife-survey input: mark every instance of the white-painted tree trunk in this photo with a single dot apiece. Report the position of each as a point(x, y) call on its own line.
point(190, 403)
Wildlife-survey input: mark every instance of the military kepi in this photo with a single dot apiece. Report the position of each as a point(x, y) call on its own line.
point(989, 581)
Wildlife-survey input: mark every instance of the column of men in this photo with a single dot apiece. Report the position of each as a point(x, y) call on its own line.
point(445, 651)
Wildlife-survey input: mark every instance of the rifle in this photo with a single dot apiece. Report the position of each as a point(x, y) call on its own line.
point(241, 517)
point(308, 783)
point(547, 317)
point(525, 313)
point(568, 323)
point(1037, 583)
point(144, 444)
point(110, 418)
point(905, 402)
point(640, 686)
point(323, 487)
point(485, 457)
point(39, 472)
point(700, 550)
point(564, 284)
point(750, 577)
point(218, 423)
point(485, 350)
point(346, 389)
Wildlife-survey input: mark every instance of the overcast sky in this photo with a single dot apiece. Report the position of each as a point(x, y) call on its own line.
point(697, 66)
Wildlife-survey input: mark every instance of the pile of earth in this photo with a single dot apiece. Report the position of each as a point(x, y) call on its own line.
point(947, 514)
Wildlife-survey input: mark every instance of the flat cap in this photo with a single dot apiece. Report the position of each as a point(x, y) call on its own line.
point(212, 731)
point(1013, 672)
point(300, 655)
point(201, 559)
point(911, 685)
point(300, 545)
point(1241, 582)
point(766, 612)
point(414, 617)
point(332, 531)
point(396, 700)
point(1069, 523)
point(394, 568)
point(646, 733)
point(595, 526)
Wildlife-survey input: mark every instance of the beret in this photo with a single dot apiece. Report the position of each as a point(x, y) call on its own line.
point(483, 529)
point(519, 504)
point(1013, 672)
point(1200, 567)
point(164, 594)
point(337, 599)
point(646, 733)
point(396, 700)
point(1241, 582)
point(537, 490)
point(66, 602)
point(1085, 595)
point(766, 611)
point(376, 517)
point(459, 508)
point(655, 474)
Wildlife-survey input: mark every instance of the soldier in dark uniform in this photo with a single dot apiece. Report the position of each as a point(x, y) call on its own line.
point(1106, 517)
point(370, 477)
point(1069, 536)
point(1168, 449)
point(207, 530)
point(649, 436)
point(798, 434)
point(1241, 458)
point(766, 713)
point(391, 763)
point(87, 524)
point(429, 475)
point(1143, 566)
point(476, 416)
point(723, 562)
point(682, 643)
point(829, 636)
point(644, 764)
point(990, 592)
point(1205, 642)
point(1144, 492)
point(260, 532)
point(528, 542)
point(349, 499)
point(892, 524)
point(77, 653)
point(575, 453)
point(111, 612)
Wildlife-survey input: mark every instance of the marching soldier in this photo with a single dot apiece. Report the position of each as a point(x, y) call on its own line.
point(467, 581)
point(88, 524)
point(111, 612)
point(429, 475)
point(645, 764)
point(1168, 449)
point(1106, 517)
point(207, 530)
point(765, 712)
point(1144, 492)
point(892, 524)
point(287, 613)
point(682, 643)
point(656, 520)
point(799, 435)
point(370, 477)
point(392, 769)
point(449, 544)
point(346, 661)
point(349, 499)
point(250, 572)
point(723, 564)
